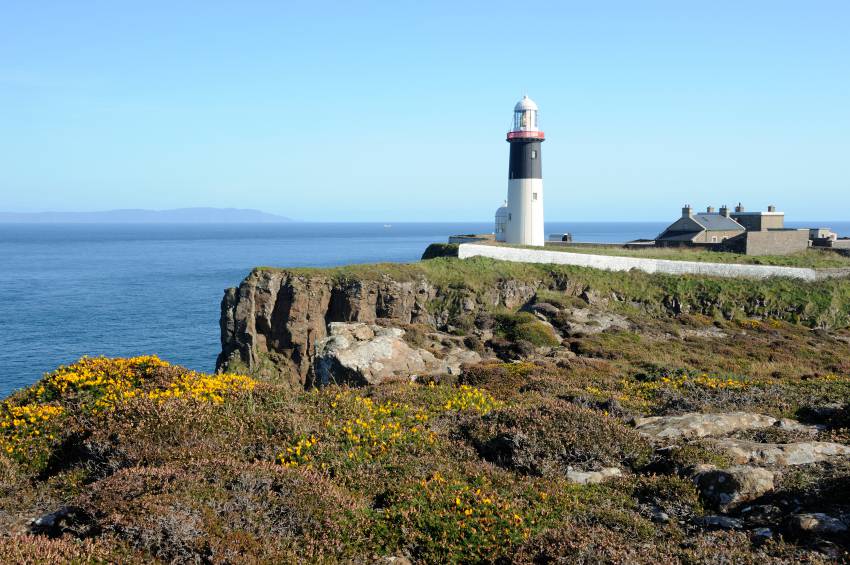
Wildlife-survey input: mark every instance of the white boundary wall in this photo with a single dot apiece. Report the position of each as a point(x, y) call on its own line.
point(615, 263)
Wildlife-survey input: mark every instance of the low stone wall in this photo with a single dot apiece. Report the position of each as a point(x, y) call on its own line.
point(614, 263)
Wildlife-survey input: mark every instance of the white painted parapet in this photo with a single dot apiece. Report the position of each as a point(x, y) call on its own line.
point(615, 263)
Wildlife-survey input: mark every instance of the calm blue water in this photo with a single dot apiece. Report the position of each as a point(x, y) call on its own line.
point(73, 290)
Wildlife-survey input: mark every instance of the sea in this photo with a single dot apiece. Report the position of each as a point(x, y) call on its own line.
point(68, 290)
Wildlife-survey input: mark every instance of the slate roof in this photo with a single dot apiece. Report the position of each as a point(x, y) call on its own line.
point(717, 222)
point(679, 236)
point(687, 229)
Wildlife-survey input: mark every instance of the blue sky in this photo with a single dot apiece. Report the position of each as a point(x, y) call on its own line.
point(397, 111)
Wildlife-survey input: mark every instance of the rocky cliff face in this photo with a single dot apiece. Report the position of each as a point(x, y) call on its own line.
point(277, 322)
point(272, 323)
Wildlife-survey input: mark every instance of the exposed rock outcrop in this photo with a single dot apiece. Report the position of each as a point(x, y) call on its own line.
point(698, 425)
point(272, 323)
point(359, 353)
point(815, 523)
point(593, 477)
point(726, 488)
point(780, 454)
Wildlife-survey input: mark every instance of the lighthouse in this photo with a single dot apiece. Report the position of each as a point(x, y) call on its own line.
point(524, 210)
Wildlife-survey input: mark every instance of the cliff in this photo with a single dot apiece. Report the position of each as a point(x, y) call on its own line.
point(273, 323)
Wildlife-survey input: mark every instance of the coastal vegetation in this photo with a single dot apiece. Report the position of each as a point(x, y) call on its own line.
point(536, 453)
point(824, 303)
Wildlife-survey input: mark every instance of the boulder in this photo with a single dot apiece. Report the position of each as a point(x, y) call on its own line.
point(794, 426)
point(762, 535)
point(545, 309)
point(698, 425)
point(592, 477)
point(780, 454)
point(359, 354)
point(589, 321)
point(720, 522)
point(816, 523)
point(727, 488)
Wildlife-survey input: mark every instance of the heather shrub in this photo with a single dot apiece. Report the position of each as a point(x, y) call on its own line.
point(674, 495)
point(683, 457)
point(224, 511)
point(504, 380)
point(550, 435)
point(25, 549)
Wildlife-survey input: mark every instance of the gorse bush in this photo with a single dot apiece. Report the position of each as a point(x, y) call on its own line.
point(459, 520)
point(360, 429)
point(97, 387)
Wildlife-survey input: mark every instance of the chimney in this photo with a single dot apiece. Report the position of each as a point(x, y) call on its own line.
point(771, 208)
point(709, 210)
point(724, 211)
point(687, 211)
point(739, 208)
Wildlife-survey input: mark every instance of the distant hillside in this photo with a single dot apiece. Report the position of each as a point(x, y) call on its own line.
point(134, 216)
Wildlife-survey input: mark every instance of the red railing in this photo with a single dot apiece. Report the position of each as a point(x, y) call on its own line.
point(525, 135)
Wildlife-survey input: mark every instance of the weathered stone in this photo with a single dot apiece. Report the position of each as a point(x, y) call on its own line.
point(721, 522)
point(545, 309)
point(726, 488)
point(710, 332)
point(592, 477)
point(660, 516)
point(590, 321)
point(762, 535)
point(780, 454)
point(816, 523)
point(593, 298)
point(697, 425)
point(67, 519)
point(394, 560)
point(795, 426)
point(359, 353)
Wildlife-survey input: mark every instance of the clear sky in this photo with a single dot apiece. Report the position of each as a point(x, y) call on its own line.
point(397, 111)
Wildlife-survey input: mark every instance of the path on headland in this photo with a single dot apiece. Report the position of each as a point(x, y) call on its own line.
point(667, 266)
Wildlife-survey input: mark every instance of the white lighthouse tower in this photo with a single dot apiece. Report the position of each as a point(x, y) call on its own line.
point(524, 225)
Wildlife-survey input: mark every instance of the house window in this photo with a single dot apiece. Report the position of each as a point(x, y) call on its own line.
point(509, 217)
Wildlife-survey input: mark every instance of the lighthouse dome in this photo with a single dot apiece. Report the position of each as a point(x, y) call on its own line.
point(525, 104)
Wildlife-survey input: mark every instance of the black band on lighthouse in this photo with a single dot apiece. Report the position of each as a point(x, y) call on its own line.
point(525, 162)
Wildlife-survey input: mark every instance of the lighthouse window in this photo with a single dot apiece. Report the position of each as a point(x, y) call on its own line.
point(534, 154)
point(534, 196)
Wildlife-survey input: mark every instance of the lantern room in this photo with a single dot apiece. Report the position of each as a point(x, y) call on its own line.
point(525, 115)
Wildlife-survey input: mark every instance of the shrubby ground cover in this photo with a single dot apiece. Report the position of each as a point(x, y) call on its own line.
point(137, 460)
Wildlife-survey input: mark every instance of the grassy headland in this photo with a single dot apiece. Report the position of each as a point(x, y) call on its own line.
point(823, 303)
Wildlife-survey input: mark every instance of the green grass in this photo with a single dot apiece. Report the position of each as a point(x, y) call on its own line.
point(823, 303)
point(811, 258)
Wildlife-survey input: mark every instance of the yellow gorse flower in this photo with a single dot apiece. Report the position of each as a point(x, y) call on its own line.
point(97, 385)
point(473, 399)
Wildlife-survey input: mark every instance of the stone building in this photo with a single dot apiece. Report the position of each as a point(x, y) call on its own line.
point(739, 231)
point(700, 229)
